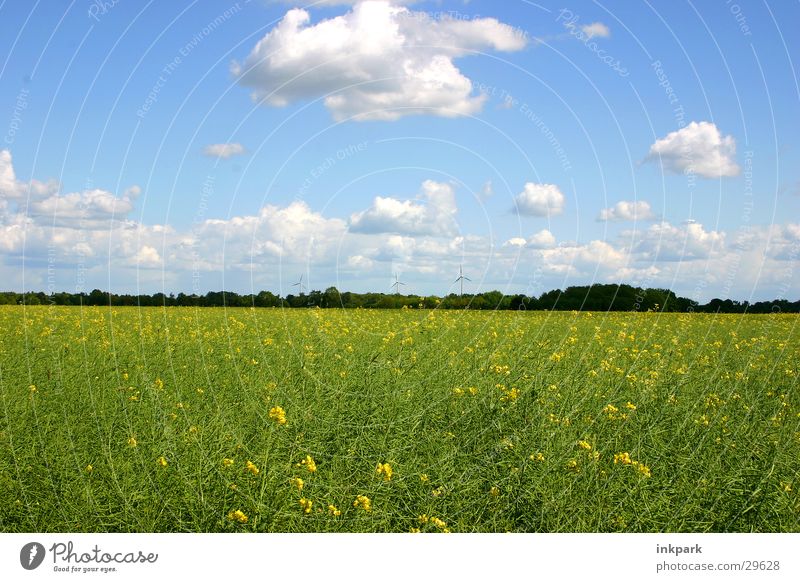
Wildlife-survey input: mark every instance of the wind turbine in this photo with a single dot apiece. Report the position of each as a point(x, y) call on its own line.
point(461, 278)
point(396, 285)
point(299, 284)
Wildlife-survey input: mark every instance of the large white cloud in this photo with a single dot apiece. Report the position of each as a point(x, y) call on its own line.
point(698, 148)
point(13, 189)
point(627, 211)
point(433, 214)
point(666, 242)
point(540, 200)
point(377, 61)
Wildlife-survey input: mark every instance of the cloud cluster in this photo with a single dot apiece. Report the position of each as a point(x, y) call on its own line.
point(698, 148)
point(539, 200)
point(379, 61)
point(434, 213)
point(627, 211)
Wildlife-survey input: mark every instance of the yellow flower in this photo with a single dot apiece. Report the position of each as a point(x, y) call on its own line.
point(623, 458)
point(384, 469)
point(278, 414)
point(572, 466)
point(424, 478)
point(423, 518)
point(89, 468)
point(159, 383)
point(439, 523)
point(333, 510)
point(306, 504)
point(32, 388)
point(227, 462)
point(237, 515)
point(494, 491)
point(297, 482)
point(249, 466)
point(309, 464)
point(584, 445)
point(162, 461)
point(630, 406)
point(538, 457)
point(363, 502)
point(132, 442)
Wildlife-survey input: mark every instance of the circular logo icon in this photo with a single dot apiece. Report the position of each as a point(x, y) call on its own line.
point(31, 555)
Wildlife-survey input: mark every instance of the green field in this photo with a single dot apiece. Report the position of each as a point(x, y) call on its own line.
point(185, 419)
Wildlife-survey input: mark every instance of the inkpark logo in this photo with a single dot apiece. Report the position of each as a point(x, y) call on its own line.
point(66, 558)
point(31, 555)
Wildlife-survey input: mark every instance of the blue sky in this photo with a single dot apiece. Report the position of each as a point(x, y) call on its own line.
point(194, 146)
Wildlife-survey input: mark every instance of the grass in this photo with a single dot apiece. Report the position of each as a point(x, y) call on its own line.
point(142, 420)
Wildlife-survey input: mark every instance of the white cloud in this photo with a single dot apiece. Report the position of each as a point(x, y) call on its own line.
point(596, 29)
point(583, 259)
point(434, 214)
point(148, 257)
point(223, 150)
point(540, 200)
point(625, 211)
point(360, 262)
point(378, 61)
point(666, 242)
point(698, 148)
point(543, 239)
point(13, 189)
point(87, 209)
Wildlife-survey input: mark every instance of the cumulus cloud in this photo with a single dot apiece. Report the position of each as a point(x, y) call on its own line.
point(87, 209)
point(627, 211)
point(540, 200)
point(543, 239)
point(583, 258)
point(433, 214)
point(13, 189)
point(667, 242)
point(698, 148)
point(596, 29)
point(223, 150)
point(379, 61)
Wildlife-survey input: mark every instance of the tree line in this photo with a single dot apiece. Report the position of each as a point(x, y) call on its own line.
point(605, 297)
